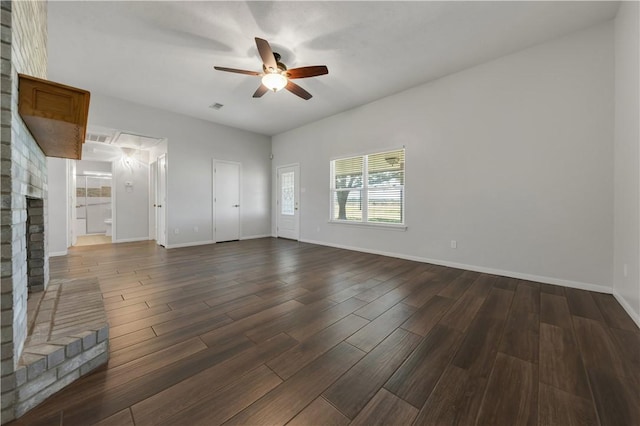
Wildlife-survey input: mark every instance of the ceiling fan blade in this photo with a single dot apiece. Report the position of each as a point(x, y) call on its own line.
point(238, 71)
point(304, 72)
point(261, 91)
point(297, 90)
point(266, 54)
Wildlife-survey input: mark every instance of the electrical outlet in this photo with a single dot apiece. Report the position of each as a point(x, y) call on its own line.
point(195, 229)
point(176, 231)
point(454, 244)
point(625, 270)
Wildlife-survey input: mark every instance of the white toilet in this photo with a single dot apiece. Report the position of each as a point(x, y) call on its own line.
point(108, 223)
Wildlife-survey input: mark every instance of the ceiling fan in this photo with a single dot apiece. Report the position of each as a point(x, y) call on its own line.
point(275, 75)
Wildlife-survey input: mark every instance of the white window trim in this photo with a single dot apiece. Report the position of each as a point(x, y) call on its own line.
point(382, 225)
point(365, 195)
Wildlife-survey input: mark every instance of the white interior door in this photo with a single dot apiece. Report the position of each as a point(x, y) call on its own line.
point(161, 199)
point(153, 194)
point(288, 219)
point(226, 176)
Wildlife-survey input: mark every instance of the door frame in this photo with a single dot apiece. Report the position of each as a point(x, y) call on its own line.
point(114, 201)
point(213, 196)
point(297, 197)
point(71, 190)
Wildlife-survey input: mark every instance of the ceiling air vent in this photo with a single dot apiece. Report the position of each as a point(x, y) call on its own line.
point(135, 141)
point(97, 137)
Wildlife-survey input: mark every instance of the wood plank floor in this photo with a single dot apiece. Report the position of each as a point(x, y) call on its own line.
point(91, 240)
point(277, 332)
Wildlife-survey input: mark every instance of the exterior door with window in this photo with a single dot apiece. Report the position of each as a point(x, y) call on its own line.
point(288, 203)
point(226, 177)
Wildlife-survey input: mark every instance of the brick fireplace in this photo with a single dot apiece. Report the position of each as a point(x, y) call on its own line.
point(23, 174)
point(41, 350)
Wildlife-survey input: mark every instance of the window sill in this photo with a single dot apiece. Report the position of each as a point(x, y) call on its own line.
point(387, 226)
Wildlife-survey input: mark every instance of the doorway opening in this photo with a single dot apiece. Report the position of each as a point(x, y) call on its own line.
point(93, 223)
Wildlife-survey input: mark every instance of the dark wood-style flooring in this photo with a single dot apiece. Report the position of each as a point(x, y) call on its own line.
point(279, 332)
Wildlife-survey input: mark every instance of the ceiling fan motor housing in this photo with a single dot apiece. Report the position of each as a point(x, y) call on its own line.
point(281, 67)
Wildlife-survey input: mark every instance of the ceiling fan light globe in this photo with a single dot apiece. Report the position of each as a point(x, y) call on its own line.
point(274, 81)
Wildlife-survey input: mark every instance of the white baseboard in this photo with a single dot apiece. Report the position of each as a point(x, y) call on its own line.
point(635, 316)
point(254, 237)
point(202, 243)
point(482, 269)
point(191, 244)
point(58, 253)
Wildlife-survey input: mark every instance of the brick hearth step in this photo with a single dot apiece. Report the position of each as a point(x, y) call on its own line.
point(68, 338)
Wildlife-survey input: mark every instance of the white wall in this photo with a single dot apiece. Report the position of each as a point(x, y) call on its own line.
point(58, 198)
point(627, 156)
point(130, 186)
point(83, 166)
point(192, 144)
point(512, 158)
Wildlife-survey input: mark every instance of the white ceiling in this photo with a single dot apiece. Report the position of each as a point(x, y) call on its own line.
point(162, 53)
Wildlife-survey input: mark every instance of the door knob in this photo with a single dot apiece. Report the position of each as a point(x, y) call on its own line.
point(236, 205)
point(159, 205)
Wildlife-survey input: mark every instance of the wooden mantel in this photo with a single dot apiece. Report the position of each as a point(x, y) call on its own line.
point(55, 114)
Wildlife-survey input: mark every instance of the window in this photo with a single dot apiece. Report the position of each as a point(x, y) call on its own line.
point(368, 188)
point(287, 197)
